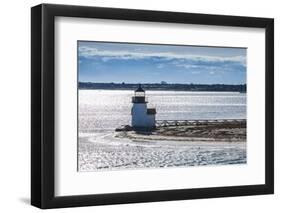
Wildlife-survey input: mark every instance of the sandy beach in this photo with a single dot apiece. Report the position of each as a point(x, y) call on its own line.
point(233, 131)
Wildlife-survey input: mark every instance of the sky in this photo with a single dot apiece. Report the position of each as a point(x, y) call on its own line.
point(105, 62)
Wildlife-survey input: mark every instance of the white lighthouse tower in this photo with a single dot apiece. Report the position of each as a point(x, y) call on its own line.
point(142, 117)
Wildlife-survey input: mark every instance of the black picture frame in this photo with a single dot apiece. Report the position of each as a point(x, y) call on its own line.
point(43, 102)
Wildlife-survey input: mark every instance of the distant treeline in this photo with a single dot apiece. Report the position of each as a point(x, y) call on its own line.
point(165, 86)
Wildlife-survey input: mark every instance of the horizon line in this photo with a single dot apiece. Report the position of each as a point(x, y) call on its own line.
point(159, 83)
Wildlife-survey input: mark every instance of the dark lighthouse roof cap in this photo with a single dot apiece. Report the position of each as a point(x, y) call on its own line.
point(139, 89)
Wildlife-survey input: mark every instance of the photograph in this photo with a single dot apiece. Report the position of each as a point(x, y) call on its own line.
point(152, 106)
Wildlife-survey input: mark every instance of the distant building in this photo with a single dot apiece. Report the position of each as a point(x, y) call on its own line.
point(142, 117)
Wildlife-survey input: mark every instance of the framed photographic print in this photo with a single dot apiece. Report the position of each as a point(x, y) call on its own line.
point(139, 106)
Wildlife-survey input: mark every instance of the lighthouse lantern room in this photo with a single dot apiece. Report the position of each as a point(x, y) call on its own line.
point(142, 117)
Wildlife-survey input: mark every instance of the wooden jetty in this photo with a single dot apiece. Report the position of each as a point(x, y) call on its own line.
point(165, 123)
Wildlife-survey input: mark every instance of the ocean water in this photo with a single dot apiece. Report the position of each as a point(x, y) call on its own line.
point(101, 111)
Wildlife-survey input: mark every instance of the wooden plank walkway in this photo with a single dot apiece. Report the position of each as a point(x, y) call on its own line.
point(164, 123)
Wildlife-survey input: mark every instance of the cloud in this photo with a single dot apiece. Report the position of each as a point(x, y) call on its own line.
point(187, 66)
point(106, 55)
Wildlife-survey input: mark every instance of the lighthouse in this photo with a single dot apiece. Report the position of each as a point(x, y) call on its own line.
point(142, 117)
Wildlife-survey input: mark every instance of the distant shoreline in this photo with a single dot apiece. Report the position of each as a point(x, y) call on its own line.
point(155, 90)
point(242, 88)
